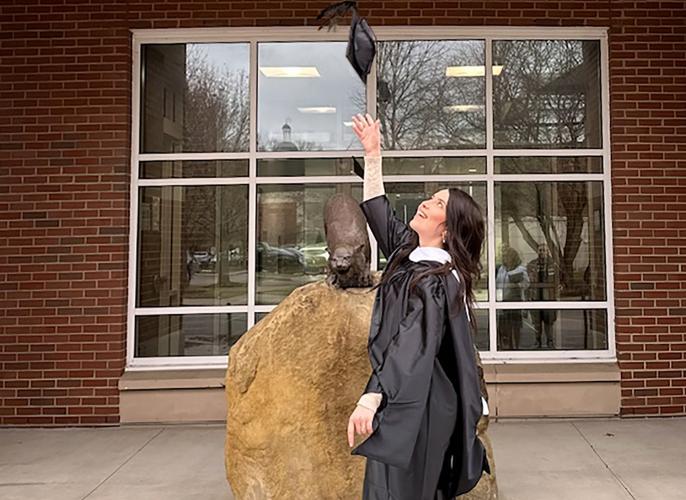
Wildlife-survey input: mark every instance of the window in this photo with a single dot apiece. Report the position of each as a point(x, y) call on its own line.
point(240, 140)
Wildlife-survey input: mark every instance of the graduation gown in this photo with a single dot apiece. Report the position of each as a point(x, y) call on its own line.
point(424, 444)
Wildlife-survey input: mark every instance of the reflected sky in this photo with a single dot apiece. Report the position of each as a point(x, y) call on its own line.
point(338, 88)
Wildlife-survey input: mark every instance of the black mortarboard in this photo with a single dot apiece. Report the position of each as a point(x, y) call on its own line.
point(361, 46)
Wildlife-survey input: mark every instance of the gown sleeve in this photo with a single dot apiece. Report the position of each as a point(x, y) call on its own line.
point(390, 232)
point(405, 377)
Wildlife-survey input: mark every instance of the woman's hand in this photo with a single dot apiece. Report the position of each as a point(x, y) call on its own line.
point(368, 132)
point(360, 422)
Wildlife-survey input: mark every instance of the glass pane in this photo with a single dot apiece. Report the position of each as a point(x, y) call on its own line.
point(192, 246)
point(546, 94)
point(406, 197)
point(195, 97)
point(195, 168)
point(561, 329)
point(549, 165)
point(430, 94)
point(482, 340)
point(291, 246)
point(279, 167)
point(549, 241)
point(188, 334)
point(434, 166)
point(307, 94)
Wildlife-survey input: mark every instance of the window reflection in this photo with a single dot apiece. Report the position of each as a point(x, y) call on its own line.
point(291, 245)
point(292, 167)
point(434, 166)
point(430, 94)
point(481, 340)
point(549, 241)
point(548, 165)
point(547, 94)
point(192, 246)
point(193, 168)
point(195, 97)
point(188, 334)
point(307, 93)
point(551, 329)
point(406, 197)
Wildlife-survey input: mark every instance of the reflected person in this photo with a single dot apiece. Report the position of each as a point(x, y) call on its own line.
point(512, 281)
point(544, 275)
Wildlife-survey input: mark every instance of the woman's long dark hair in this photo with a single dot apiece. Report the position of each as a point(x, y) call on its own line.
point(464, 239)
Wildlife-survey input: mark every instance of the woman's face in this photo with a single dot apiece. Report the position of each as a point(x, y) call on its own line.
point(429, 221)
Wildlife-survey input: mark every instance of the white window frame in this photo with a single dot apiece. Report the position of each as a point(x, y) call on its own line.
point(253, 36)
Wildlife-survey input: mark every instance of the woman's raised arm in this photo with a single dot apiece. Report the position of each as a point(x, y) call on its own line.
point(368, 132)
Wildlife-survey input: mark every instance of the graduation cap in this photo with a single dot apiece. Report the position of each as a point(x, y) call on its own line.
point(361, 47)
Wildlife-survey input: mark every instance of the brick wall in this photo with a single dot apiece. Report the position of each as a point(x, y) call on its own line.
point(64, 181)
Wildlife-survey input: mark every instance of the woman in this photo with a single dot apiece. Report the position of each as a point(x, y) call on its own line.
point(422, 402)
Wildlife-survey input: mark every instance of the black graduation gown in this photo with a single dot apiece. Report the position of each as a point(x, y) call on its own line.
point(424, 444)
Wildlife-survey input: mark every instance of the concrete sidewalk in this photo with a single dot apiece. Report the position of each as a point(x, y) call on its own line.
point(535, 460)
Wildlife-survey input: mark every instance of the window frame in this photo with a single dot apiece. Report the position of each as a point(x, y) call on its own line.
point(253, 36)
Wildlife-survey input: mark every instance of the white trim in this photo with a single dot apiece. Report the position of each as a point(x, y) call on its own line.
point(348, 153)
point(252, 188)
point(607, 194)
point(253, 36)
point(527, 305)
point(310, 33)
point(194, 181)
point(133, 203)
point(490, 198)
point(181, 310)
point(192, 156)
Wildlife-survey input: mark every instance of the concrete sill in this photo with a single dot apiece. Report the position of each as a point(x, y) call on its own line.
point(172, 379)
point(519, 373)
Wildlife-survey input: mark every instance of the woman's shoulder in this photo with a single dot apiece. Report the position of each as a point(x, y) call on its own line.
point(432, 285)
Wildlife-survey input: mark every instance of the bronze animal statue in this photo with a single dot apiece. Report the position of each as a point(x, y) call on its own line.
point(348, 243)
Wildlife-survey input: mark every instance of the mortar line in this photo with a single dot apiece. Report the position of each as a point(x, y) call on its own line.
point(123, 463)
point(617, 477)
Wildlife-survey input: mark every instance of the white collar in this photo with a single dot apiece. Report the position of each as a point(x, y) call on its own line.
point(430, 253)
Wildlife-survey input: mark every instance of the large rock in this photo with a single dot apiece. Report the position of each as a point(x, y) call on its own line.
point(292, 382)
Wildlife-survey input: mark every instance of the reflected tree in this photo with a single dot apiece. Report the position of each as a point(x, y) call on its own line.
point(217, 106)
point(419, 106)
point(546, 94)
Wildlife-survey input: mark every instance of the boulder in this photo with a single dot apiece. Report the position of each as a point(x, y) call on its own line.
point(292, 382)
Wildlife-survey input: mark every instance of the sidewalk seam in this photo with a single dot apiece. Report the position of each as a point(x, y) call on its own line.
point(123, 463)
point(607, 466)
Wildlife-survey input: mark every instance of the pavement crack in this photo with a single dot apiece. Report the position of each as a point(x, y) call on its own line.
point(123, 463)
point(617, 477)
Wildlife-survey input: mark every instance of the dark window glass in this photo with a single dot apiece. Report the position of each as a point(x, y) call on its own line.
point(192, 246)
point(188, 334)
point(193, 168)
point(548, 165)
point(552, 329)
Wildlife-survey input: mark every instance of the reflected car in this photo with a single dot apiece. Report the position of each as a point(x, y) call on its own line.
point(316, 257)
point(204, 259)
point(279, 259)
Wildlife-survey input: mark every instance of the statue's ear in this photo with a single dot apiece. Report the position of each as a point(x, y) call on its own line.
point(360, 247)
